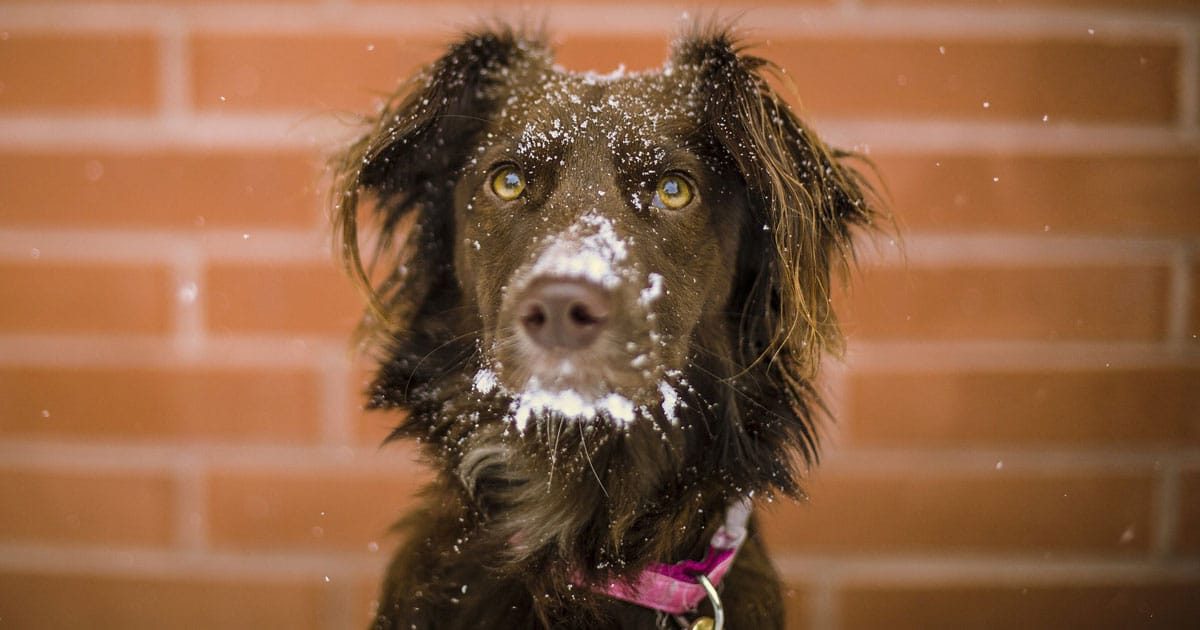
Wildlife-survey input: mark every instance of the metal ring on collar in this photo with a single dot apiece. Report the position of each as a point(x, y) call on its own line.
point(715, 599)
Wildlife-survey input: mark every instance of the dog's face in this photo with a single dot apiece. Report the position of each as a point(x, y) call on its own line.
point(596, 224)
point(652, 250)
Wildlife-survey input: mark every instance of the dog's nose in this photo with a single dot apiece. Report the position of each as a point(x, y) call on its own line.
point(564, 314)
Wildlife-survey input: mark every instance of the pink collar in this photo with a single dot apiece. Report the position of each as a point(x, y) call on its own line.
point(674, 588)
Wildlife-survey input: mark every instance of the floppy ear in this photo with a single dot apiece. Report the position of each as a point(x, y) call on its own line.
point(406, 166)
point(804, 202)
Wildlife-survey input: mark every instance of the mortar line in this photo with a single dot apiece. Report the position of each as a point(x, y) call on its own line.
point(1189, 81)
point(309, 245)
point(191, 510)
point(299, 129)
point(173, 69)
point(981, 461)
point(833, 380)
point(850, 7)
point(188, 297)
point(823, 608)
point(335, 401)
point(967, 249)
point(339, 611)
point(163, 458)
point(1179, 300)
point(140, 561)
point(283, 352)
point(303, 245)
point(987, 568)
point(1167, 495)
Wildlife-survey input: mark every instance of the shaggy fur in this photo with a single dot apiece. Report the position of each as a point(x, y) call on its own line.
point(721, 316)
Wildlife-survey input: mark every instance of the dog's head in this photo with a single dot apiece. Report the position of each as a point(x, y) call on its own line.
point(650, 254)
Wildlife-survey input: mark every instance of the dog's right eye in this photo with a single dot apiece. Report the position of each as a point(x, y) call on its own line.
point(673, 192)
point(508, 182)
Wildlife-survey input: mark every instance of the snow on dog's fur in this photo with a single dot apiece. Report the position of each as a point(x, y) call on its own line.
point(696, 222)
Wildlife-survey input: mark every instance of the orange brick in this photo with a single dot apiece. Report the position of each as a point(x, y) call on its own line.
point(1068, 80)
point(91, 507)
point(310, 511)
point(78, 72)
point(167, 404)
point(326, 73)
point(1189, 511)
point(990, 511)
point(1069, 303)
point(160, 189)
point(43, 600)
point(1118, 606)
point(1099, 407)
point(93, 298)
point(294, 299)
point(1153, 194)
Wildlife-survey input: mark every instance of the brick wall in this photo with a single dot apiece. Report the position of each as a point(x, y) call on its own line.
point(1019, 434)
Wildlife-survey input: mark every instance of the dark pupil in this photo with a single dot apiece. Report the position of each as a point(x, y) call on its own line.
point(671, 187)
point(512, 180)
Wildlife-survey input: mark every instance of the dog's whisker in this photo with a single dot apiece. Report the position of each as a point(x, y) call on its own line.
point(554, 452)
point(583, 445)
point(465, 117)
point(416, 369)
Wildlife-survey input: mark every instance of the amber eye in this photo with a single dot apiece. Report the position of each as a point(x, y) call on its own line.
point(673, 192)
point(508, 182)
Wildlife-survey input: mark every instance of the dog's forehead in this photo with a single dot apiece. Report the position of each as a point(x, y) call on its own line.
point(558, 109)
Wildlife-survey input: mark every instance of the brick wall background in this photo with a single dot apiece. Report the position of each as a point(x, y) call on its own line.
point(1019, 435)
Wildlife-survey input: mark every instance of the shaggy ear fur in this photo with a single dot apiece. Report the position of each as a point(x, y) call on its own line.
point(407, 165)
point(804, 201)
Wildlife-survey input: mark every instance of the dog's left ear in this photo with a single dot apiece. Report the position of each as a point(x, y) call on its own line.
point(407, 165)
point(803, 197)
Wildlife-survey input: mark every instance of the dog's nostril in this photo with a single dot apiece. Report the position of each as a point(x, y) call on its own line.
point(581, 316)
point(563, 313)
point(535, 316)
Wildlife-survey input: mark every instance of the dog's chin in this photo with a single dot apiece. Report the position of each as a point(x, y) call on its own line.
point(553, 389)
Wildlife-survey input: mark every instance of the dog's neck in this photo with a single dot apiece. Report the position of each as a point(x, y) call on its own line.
point(679, 587)
point(597, 503)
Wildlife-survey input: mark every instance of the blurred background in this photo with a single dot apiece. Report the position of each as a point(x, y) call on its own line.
point(1018, 443)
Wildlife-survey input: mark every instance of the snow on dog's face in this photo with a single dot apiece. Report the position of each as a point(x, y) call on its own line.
point(596, 227)
point(606, 249)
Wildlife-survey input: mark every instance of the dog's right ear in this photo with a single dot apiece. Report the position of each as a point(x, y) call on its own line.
point(407, 164)
point(806, 195)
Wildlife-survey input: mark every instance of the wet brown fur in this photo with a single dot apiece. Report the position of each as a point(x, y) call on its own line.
point(513, 521)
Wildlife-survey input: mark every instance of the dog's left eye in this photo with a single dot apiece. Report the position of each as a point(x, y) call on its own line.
point(508, 182)
point(673, 192)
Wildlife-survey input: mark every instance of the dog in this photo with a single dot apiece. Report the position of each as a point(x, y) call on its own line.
point(602, 301)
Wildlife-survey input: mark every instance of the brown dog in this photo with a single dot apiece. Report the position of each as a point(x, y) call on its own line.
point(601, 299)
